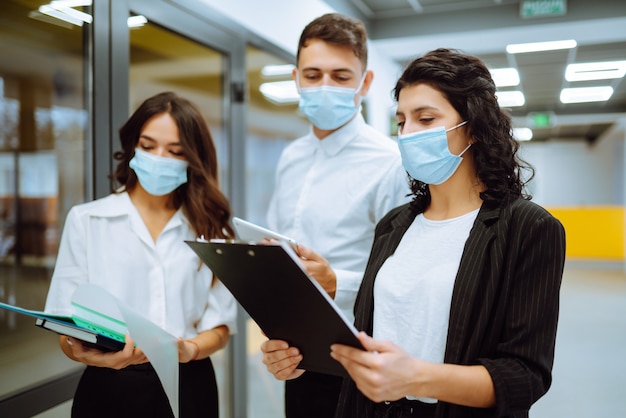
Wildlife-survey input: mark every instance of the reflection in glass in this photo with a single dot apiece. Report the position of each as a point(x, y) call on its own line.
point(43, 130)
point(272, 124)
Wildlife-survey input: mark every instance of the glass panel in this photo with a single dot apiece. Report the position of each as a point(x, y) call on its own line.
point(160, 61)
point(43, 130)
point(273, 121)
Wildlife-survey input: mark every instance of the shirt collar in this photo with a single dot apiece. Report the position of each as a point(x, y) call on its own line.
point(335, 142)
point(116, 204)
point(119, 204)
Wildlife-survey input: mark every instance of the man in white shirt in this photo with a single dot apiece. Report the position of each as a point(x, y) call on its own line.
point(334, 184)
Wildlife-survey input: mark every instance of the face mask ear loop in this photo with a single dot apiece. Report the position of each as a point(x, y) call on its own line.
point(360, 86)
point(456, 126)
point(468, 145)
point(358, 90)
point(466, 148)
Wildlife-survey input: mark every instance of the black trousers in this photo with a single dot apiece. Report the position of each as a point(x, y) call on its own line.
point(312, 395)
point(404, 408)
point(136, 391)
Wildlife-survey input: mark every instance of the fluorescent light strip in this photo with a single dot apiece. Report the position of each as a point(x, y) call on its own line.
point(540, 46)
point(62, 10)
point(595, 71)
point(71, 3)
point(522, 134)
point(511, 98)
point(87, 18)
point(281, 92)
point(586, 94)
point(50, 11)
point(505, 77)
point(277, 70)
point(136, 21)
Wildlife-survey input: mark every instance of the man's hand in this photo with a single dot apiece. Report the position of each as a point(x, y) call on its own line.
point(281, 360)
point(318, 268)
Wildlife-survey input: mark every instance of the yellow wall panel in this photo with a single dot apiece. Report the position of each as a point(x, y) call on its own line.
point(593, 232)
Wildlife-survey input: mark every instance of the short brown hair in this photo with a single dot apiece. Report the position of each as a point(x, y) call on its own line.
point(339, 30)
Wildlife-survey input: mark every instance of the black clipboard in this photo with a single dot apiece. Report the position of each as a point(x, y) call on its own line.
point(271, 285)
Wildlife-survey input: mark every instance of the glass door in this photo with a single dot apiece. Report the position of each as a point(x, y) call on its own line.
point(44, 132)
point(163, 60)
point(66, 87)
point(169, 48)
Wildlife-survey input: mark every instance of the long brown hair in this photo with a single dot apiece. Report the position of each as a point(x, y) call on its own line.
point(205, 206)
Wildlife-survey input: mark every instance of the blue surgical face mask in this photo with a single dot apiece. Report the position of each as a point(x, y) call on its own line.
point(426, 156)
point(158, 175)
point(328, 107)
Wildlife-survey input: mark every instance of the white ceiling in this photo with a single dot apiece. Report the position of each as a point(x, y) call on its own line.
point(404, 29)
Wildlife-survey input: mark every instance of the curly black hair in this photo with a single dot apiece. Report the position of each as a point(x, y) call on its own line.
point(466, 83)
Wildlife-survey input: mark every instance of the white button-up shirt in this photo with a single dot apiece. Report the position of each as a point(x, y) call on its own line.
point(331, 193)
point(106, 243)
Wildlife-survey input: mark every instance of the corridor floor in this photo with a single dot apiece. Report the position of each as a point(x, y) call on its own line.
point(589, 379)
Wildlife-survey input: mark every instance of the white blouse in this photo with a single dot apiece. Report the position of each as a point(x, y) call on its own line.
point(413, 288)
point(106, 243)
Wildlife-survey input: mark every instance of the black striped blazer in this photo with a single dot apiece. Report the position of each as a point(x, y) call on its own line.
point(504, 310)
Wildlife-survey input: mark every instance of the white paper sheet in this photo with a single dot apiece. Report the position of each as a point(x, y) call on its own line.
point(159, 346)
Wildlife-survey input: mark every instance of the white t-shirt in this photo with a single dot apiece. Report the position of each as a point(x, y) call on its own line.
point(106, 243)
point(331, 193)
point(413, 288)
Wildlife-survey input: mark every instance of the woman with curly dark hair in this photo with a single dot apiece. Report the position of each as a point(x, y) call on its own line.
point(458, 306)
point(132, 244)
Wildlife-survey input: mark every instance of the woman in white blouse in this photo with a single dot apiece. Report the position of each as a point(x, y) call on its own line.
point(131, 243)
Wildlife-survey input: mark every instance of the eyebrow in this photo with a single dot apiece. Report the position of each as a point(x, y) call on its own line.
point(149, 138)
point(418, 109)
point(335, 70)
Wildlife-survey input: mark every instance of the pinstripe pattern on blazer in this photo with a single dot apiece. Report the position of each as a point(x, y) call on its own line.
point(504, 308)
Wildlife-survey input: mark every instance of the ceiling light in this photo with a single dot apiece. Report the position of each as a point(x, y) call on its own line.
point(511, 98)
point(280, 92)
point(63, 10)
point(277, 70)
point(522, 134)
point(85, 17)
point(540, 46)
point(63, 7)
point(136, 21)
point(595, 71)
point(71, 3)
point(505, 77)
point(37, 15)
point(586, 94)
point(51, 11)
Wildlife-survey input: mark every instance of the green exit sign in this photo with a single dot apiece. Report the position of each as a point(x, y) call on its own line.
point(541, 119)
point(542, 8)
